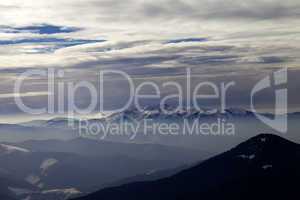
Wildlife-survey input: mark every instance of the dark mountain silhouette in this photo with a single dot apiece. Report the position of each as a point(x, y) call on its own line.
point(264, 167)
point(150, 176)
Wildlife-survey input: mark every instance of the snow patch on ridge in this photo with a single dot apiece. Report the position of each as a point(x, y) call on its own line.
point(46, 164)
point(249, 157)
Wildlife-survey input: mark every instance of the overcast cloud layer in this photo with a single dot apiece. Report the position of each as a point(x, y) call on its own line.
point(219, 39)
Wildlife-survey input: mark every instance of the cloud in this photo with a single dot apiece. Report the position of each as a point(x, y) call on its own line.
point(53, 44)
point(149, 38)
point(213, 59)
point(8, 7)
point(274, 59)
point(65, 42)
point(187, 40)
point(198, 10)
point(40, 29)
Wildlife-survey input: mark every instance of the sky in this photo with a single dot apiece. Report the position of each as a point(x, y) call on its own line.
point(149, 39)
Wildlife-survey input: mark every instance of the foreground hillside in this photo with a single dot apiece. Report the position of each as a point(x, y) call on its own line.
point(264, 167)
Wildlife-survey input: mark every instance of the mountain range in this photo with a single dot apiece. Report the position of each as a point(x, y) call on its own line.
point(245, 121)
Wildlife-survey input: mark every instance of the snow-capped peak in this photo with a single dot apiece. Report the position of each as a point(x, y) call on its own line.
point(169, 111)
